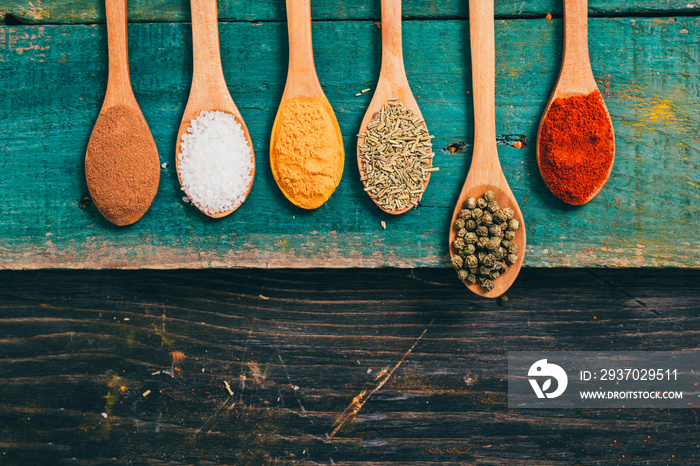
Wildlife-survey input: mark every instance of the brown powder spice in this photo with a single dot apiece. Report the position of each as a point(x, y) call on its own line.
point(122, 165)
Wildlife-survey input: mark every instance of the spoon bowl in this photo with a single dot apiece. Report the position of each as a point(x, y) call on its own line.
point(475, 187)
point(392, 84)
point(576, 79)
point(485, 171)
point(209, 91)
point(122, 167)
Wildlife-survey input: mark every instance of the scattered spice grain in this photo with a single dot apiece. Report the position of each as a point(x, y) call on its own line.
point(228, 387)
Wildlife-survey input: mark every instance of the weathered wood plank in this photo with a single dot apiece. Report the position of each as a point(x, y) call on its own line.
point(84, 11)
point(76, 344)
point(52, 79)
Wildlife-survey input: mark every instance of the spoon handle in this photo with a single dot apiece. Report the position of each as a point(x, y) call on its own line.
point(392, 47)
point(302, 71)
point(206, 57)
point(118, 82)
point(576, 75)
point(576, 32)
point(481, 30)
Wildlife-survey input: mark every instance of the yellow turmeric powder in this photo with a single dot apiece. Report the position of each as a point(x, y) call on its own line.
point(306, 151)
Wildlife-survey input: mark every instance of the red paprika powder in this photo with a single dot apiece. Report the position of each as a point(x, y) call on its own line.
point(576, 147)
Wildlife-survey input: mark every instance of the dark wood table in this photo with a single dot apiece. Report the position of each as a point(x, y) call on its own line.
point(250, 367)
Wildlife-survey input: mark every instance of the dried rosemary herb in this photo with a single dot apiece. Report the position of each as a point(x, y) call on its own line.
point(483, 255)
point(396, 157)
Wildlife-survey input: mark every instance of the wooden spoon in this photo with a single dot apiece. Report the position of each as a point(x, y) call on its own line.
point(485, 171)
point(576, 75)
point(209, 91)
point(302, 81)
point(122, 167)
point(392, 82)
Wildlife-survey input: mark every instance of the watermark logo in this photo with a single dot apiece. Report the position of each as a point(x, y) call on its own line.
point(542, 368)
point(604, 379)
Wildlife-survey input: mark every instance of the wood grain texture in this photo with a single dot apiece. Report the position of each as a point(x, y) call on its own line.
point(154, 351)
point(647, 215)
point(84, 11)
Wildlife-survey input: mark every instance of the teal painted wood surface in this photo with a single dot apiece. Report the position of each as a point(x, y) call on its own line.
point(84, 11)
point(52, 79)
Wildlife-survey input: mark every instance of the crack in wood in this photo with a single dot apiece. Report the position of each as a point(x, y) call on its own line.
point(359, 401)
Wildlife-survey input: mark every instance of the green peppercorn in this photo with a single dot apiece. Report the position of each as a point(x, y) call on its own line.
point(489, 261)
point(494, 243)
point(485, 235)
point(493, 206)
point(499, 253)
point(487, 285)
point(502, 300)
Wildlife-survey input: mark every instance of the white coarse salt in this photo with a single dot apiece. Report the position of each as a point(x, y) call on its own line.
point(215, 162)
